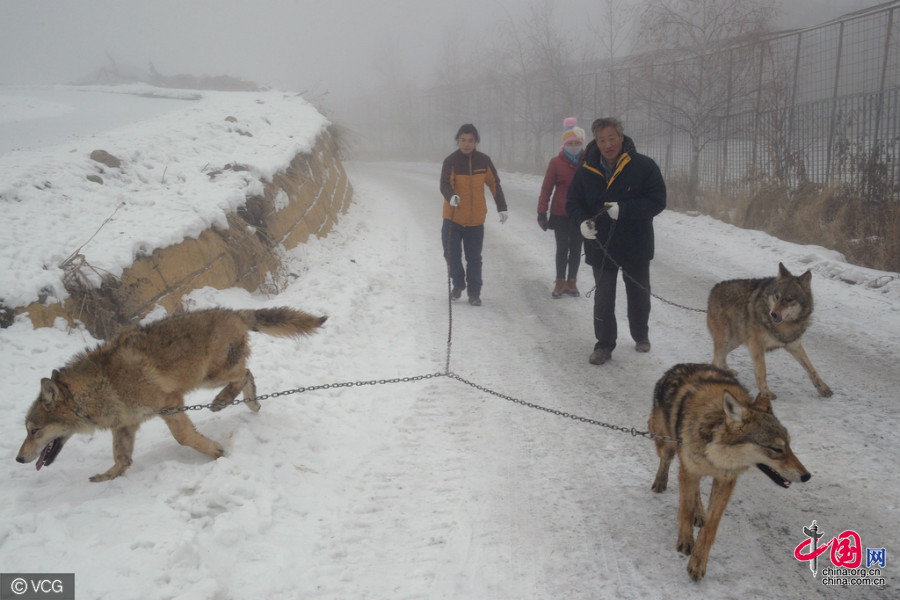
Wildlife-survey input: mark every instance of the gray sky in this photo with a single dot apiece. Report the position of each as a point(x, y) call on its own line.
point(298, 45)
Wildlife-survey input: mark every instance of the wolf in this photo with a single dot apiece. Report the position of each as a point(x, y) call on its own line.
point(764, 314)
point(704, 415)
point(146, 369)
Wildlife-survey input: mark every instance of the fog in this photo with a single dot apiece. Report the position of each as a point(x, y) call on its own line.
point(334, 50)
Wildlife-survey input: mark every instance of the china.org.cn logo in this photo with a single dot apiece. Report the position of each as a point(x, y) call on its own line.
point(846, 554)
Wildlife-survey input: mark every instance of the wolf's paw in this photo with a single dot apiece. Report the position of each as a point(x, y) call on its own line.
point(685, 546)
point(823, 389)
point(696, 568)
point(659, 486)
point(217, 451)
point(111, 474)
point(699, 519)
point(252, 405)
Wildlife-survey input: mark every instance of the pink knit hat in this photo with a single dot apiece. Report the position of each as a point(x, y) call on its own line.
point(571, 131)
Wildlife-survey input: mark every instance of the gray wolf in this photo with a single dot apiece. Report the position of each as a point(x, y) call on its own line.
point(764, 314)
point(722, 432)
point(145, 369)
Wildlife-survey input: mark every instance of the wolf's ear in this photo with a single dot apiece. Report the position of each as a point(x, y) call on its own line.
point(805, 279)
point(734, 410)
point(763, 403)
point(782, 271)
point(49, 391)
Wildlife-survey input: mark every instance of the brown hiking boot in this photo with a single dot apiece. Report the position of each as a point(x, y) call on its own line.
point(571, 290)
point(599, 356)
point(559, 288)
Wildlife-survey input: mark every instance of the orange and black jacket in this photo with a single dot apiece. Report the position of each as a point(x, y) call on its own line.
point(466, 175)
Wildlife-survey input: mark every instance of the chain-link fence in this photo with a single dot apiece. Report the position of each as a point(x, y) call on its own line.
point(813, 105)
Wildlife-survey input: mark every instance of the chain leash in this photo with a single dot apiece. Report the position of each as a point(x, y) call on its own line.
point(300, 390)
point(607, 257)
point(327, 386)
point(446, 373)
point(633, 431)
point(449, 290)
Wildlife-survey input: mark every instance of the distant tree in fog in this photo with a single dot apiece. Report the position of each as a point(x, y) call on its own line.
point(612, 34)
point(706, 73)
point(535, 59)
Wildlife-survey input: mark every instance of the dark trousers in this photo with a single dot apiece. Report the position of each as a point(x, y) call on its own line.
point(637, 291)
point(457, 238)
point(568, 246)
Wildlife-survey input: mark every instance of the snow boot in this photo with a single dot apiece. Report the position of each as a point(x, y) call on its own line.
point(571, 290)
point(559, 288)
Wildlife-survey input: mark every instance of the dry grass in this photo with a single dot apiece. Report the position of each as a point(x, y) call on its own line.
point(865, 231)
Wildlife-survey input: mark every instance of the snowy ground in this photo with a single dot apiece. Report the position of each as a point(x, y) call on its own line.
point(434, 489)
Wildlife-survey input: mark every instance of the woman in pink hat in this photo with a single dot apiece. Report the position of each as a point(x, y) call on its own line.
point(553, 196)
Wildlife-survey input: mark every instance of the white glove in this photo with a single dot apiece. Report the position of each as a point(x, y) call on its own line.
point(454, 200)
point(612, 210)
point(503, 216)
point(589, 230)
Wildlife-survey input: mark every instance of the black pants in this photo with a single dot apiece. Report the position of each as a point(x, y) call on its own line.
point(568, 246)
point(637, 291)
point(456, 238)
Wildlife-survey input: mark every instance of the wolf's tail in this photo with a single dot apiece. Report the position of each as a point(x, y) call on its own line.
point(281, 321)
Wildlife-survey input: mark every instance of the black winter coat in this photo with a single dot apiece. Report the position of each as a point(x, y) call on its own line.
point(637, 185)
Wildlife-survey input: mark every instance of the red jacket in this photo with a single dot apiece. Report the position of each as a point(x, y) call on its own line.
point(559, 174)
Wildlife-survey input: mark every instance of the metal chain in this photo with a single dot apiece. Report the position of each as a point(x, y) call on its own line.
point(628, 275)
point(449, 319)
point(449, 290)
point(634, 432)
point(300, 390)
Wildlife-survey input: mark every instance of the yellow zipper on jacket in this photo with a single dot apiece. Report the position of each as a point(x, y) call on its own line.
point(623, 160)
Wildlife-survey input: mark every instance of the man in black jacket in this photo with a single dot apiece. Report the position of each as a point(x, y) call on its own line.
point(613, 198)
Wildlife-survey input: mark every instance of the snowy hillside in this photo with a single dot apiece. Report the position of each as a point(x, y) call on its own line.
point(163, 191)
point(432, 488)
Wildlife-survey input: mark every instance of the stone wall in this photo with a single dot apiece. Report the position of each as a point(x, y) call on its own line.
point(301, 201)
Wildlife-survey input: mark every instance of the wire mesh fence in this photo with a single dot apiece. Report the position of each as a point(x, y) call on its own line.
point(814, 105)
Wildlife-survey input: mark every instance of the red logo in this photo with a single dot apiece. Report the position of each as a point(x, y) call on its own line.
point(846, 550)
point(846, 553)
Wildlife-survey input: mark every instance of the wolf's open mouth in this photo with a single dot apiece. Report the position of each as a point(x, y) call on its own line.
point(49, 454)
point(774, 476)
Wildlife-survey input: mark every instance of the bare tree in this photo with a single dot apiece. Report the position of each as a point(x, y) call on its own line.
point(782, 159)
point(536, 59)
point(694, 93)
point(612, 34)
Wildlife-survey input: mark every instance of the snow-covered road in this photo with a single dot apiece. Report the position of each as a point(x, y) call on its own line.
point(435, 489)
